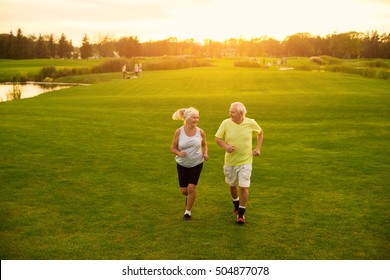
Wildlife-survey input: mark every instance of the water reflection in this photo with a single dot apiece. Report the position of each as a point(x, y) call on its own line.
point(7, 90)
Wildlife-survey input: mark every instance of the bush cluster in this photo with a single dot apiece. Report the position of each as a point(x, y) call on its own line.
point(377, 69)
point(378, 63)
point(51, 72)
point(317, 60)
point(115, 65)
point(173, 63)
point(112, 65)
point(368, 72)
point(249, 63)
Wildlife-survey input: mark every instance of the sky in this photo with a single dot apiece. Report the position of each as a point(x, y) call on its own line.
point(218, 20)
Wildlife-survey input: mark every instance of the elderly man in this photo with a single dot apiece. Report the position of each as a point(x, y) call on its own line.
point(235, 136)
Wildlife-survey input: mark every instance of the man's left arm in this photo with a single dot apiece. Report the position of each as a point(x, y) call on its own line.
point(257, 151)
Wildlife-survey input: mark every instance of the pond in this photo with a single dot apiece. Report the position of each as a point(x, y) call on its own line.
point(10, 91)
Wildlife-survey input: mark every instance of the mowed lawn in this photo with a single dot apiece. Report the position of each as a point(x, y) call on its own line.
point(87, 173)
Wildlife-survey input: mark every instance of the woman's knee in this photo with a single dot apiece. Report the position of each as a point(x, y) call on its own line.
point(191, 188)
point(184, 191)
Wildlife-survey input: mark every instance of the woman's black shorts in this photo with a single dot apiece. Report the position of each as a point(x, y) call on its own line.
point(188, 175)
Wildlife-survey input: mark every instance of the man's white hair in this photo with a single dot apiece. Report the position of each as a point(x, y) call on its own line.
point(240, 107)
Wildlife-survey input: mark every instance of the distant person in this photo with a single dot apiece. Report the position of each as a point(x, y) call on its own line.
point(139, 70)
point(124, 71)
point(136, 69)
point(235, 136)
point(190, 147)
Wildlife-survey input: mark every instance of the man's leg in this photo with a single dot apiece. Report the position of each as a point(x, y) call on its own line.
point(235, 197)
point(244, 192)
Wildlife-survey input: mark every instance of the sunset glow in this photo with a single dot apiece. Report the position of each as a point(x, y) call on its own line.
point(192, 19)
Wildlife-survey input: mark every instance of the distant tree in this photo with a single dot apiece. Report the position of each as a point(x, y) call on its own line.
point(345, 45)
point(41, 50)
point(318, 45)
point(52, 47)
point(10, 45)
point(63, 47)
point(30, 43)
point(384, 50)
point(156, 48)
point(230, 45)
point(299, 44)
point(86, 49)
point(212, 48)
point(18, 44)
point(129, 47)
point(254, 47)
point(105, 47)
point(3, 45)
point(372, 44)
point(20, 47)
point(271, 47)
point(70, 49)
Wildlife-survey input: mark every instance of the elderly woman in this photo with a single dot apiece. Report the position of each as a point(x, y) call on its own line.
point(190, 147)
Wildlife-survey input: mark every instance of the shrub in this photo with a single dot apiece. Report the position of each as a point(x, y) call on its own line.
point(111, 65)
point(382, 74)
point(47, 71)
point(23, 78)
point(71, 72)
point(378, 73)
point(330, 59)
point(377, 63)
point(317, 60)
point(174, 62)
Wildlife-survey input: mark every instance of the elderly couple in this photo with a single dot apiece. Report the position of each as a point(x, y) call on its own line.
point(235, 136)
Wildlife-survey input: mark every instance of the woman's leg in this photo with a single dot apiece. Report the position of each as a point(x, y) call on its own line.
point(184, 191)
point(191, 192)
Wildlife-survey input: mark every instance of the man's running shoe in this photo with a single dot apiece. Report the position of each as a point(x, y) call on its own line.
point(241, 220)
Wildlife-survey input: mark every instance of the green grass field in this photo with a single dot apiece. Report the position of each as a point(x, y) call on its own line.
point(28, 68)
point(87, 173)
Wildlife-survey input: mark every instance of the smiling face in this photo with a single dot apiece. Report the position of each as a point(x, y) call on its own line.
point(235, 114)
point(193, 119)
point(191, 116)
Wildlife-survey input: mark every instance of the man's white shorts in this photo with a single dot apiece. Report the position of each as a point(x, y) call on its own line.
point(238, 175)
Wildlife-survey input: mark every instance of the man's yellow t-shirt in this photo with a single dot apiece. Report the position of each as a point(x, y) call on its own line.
point(240, 136)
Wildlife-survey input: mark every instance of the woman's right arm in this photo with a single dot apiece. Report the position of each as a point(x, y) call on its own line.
point(175, 145)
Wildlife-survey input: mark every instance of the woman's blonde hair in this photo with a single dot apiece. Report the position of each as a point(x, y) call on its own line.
point(184, 114)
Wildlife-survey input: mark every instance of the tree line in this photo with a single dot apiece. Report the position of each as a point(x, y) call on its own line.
point(344, 45)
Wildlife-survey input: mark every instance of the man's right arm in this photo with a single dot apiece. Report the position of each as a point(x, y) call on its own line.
point(228, 148)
